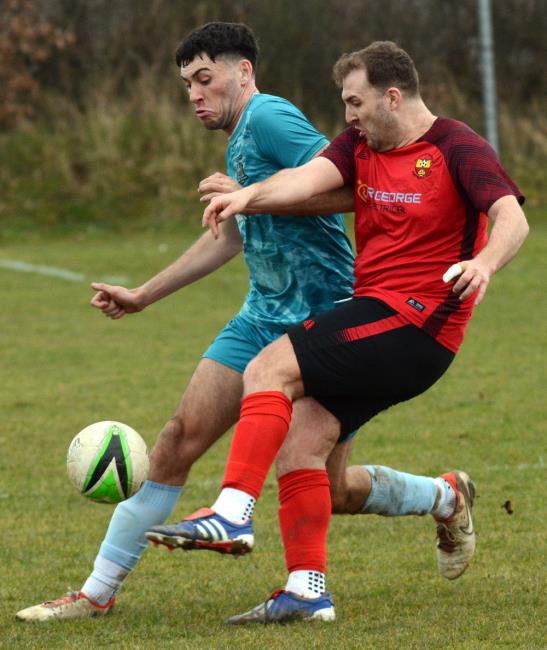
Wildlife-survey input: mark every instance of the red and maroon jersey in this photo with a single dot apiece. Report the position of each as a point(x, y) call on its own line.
point(418, 210)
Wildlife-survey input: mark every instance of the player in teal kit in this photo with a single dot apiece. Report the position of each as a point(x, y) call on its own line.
point(296, 265)
point(298, 268)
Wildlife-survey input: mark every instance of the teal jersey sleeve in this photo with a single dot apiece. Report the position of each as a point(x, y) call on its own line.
point(283, 133)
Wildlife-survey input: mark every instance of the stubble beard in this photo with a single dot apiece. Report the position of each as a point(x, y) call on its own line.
point(387, 134)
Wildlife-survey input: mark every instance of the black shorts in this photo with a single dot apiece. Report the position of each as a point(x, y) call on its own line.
point(362, 357)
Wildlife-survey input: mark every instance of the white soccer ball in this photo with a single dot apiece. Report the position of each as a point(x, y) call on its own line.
point(107, 462)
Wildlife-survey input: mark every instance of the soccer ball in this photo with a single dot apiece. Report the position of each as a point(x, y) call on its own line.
point(107, 462)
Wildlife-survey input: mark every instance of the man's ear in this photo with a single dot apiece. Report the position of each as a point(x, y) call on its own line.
point(245, 71)
point(393, 97)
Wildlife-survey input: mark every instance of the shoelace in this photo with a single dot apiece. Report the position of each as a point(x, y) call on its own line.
point(70, 597)
point(447, 541)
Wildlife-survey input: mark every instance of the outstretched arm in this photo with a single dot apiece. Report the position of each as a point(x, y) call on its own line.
point(203, 257)
point(509, 230)
point(288, 187)
point(338, 200)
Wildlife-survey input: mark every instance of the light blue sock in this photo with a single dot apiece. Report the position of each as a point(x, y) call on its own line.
point(396, 493)
point(125, 542)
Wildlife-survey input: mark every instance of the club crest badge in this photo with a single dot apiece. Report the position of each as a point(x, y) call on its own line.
point(422, 168)
point(241, 175)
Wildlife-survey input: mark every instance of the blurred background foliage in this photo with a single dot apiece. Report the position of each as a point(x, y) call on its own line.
point(95, 128)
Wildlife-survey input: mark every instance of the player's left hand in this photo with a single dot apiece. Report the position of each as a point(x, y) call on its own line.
point(223, 207)
point(475, 276)
point(216, 184)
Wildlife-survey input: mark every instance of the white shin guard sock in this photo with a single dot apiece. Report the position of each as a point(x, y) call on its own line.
point(105, 581)
point(308, 584)
point(234, 505)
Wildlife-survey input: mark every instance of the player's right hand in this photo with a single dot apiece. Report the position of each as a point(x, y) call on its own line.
point(115, 301)
point(215, 185)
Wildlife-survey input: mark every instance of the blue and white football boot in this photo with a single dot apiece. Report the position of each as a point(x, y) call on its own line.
point(205, 530)
point(284, 607)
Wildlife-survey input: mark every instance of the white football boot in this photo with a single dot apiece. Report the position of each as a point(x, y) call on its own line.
point(75, 604)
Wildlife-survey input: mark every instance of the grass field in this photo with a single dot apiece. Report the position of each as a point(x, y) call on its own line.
point(64, 366)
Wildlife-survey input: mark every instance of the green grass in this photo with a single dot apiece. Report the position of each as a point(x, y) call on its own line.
point(64, 366)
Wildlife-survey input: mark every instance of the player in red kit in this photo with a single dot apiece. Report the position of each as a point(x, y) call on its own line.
point(425, 188)
point(419, 208)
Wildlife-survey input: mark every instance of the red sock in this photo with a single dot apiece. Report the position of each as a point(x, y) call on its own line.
point(304, 518)
point(260, 432)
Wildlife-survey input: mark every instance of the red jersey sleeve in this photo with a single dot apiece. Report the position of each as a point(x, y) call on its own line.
point(473, 164)
point(341, 152)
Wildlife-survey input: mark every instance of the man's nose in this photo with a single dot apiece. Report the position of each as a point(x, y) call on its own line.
point(195, 94)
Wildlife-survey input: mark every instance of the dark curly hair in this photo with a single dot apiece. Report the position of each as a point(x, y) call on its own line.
point(215, 39)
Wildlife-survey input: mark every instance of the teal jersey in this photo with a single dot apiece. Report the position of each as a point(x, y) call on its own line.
point(299, 266)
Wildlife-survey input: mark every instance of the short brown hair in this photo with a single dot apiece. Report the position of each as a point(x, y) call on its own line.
point(385, 63)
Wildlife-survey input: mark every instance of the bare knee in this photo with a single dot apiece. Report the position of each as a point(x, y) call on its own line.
point(311, 438)
point(350, 492)
point(177, 448)
point(290, 460)
point(253, 373)
point(274, 368)
point(262, 373)
point(347, 500)
point(340, 501)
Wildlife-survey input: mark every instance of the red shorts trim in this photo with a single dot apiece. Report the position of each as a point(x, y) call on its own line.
point(373, 329)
